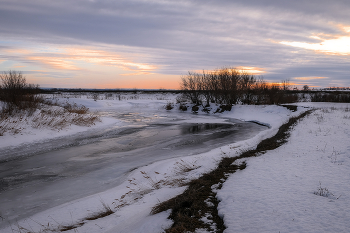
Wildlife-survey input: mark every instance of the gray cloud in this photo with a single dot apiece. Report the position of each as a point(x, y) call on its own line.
point(189, 35)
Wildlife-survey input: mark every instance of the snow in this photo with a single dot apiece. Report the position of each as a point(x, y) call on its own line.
point(279, 191)
point(29, 134)
point(275, 193)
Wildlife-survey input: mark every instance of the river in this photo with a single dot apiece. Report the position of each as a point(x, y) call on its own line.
point(47, 174)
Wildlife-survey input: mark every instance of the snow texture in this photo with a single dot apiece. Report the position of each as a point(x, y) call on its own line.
point(277, 192)
point(280, 190)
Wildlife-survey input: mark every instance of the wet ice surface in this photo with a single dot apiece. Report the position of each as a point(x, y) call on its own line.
point(61, 170)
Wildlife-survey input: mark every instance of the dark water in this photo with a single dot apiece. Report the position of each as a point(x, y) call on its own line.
point(49, 175)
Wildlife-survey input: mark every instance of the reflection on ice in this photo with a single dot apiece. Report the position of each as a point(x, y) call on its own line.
point(132, 117)
point(198, 128)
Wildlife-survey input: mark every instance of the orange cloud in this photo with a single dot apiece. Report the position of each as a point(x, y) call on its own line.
point(333, 45)
point(108, 59)
point(137, 73)
point(248, 69)
point(57, 63)
point(309, 78)
point(18, 66)
point(251, 70)
point(67, 59)
point(344, 28)
point(280, 84)
point(18, 51)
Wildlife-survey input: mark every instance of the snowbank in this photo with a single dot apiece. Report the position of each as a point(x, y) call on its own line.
point(303, 186)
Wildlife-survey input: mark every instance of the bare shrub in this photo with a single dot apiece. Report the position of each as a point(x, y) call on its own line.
point(16, 93)
point(169, 106)
point(228, 86)
point(323, 192)
point(223, 108)
point(206, 109)
point(195, 108)
point(183, 107)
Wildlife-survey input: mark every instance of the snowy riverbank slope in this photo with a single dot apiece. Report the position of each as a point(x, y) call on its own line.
point(303, 186)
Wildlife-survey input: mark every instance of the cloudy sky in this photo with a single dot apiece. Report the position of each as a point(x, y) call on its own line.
point(152, 43)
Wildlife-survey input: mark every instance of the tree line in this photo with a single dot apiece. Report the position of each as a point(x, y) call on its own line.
point(230, 86)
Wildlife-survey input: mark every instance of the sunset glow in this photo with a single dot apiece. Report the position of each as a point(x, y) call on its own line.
point(66, 59)
point(309, 78)
point(280, 84)
point(335, 46)
point(247, 69)
point(53, 62)
point(138, 44)
point(251, 70)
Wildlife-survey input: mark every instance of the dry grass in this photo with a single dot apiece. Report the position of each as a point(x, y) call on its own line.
point(323, 192)
point(105, 211)
point(46, 116)
point(182, 167)
point(43, 228)
point(74, 108)
point(149, 182)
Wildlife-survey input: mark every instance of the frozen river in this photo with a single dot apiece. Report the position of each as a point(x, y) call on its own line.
point(54, 172)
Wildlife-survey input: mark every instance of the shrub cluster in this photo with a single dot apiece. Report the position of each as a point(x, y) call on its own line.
point(21, 106)
point(229, 86)
point(16, 93)
point(339, 97)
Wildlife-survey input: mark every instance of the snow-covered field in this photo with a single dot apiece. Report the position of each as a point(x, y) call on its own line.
point(302, 186)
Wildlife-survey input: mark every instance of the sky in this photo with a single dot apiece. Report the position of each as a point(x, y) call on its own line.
point(153, 43)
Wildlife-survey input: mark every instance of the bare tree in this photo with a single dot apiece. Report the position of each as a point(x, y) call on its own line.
point(228, 86)
point(285, 85)
point(306, 88)
point(191, 84)
point(206, 87)
point(15, 91)
point(12, 87)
